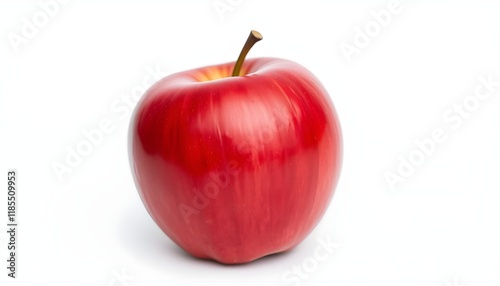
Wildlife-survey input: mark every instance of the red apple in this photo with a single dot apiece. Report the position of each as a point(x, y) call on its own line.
point(233, 168)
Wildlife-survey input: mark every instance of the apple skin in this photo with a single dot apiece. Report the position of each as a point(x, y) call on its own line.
point(236, 168)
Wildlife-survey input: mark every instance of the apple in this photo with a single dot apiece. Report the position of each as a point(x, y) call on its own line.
point(236, 161)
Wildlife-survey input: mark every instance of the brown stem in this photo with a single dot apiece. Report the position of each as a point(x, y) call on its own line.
point(253, 38)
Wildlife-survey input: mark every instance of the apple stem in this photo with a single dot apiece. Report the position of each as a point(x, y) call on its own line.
point(253, 38)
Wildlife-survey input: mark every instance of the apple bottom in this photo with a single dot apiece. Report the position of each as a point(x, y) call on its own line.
point(237, 213)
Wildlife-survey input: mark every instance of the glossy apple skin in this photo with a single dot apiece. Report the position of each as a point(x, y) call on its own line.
point(236, 168)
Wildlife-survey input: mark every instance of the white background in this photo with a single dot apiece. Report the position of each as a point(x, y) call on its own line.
point(439, 227)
